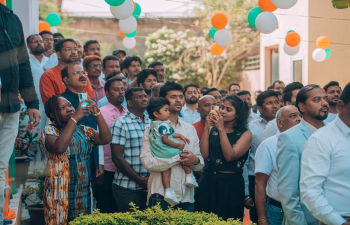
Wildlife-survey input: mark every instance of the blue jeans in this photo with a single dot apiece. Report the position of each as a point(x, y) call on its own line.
point(274, 214)
point(157, 198)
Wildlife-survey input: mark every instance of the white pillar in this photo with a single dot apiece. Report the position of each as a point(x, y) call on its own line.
point(28, 13)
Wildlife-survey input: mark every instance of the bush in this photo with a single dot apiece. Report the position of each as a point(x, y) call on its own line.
point(154, 215)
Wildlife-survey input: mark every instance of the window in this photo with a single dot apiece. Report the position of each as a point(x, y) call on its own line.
point(298, 71)
point(274, 65)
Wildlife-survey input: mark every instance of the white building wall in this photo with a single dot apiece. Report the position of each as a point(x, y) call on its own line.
point(28, 13)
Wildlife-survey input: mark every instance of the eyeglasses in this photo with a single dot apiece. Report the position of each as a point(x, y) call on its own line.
point(96, 65)
point(57, 39)
point(69, 49)
point(79, 72)
point(37, 41)
point(48, 39)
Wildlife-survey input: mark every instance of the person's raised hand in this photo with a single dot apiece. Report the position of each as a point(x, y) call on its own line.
point(218, 121)
point(185, 139)
point(81, 112)
point(93, 106)
point(34, 117)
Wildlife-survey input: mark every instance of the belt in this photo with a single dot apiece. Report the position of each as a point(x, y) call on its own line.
point(274, 202)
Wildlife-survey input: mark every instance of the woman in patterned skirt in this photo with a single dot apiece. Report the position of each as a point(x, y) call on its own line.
point(67, 191)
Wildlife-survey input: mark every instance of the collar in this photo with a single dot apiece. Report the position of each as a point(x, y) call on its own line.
point(262, 120)
point(111, 107)
point(251, 114)
point(278, 133)
point(101, 84)
point(72, 94)
point(344, 129)
point(186, 108)
point(133, 116)
point(179, 122)
point(312, 128)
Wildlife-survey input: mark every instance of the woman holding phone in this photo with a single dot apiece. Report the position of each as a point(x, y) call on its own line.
point(224, 146)
point(67, 189)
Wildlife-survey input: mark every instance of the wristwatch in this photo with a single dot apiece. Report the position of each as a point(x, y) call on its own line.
point(98, 113)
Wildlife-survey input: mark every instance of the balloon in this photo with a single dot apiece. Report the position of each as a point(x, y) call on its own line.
point(131, 34)
point(54, 30)
point(216, 49)
point(319, 55)
point(212, 32)
point(53, 19)
point(219, 21)
point(134, 4)
point(284, 4)
point(322, 42)
point(290, 31)
point(328, 52)
point(253, 13)
point(114, 2)
point(123, 11)
point(223, 37)
point(44, 26)
point(266, 22)
point(121, 33)
point(128, 26)
point(292, 39)
point(267, 6)
point(137, 11)
point(129, 42)
point(291, 50)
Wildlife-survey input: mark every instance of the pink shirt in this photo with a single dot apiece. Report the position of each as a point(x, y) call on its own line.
point(110, 113)
point(100, 91)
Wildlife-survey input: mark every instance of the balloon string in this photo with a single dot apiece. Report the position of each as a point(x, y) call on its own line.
point(336, 43)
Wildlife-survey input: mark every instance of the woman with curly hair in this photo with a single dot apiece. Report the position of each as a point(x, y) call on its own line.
point(67, 189)
point(224, 146)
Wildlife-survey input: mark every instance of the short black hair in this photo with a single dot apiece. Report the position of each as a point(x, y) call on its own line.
point(203, 89)
point(229, 87)
point(270, 87)
point(89, 42)
point(345, 95)
point(279, 93)
point(107, 58)
point(45, 32)
point(142, 76)
point(332, 83)
point(302, 94)
point(127, 61)
point(111, 75)
point(28, 38)
point(57, 34)
point(264, 95)
point(189, 85)
point(59, 44)
point(288, 90)
point(209, 90)
point(110, 81)
point(276, 81)
point(155, 104)
point(152, 65)
point(130, 92)
point(169, 86)
point(223, 91)
point(64, 71)
point(243, 92)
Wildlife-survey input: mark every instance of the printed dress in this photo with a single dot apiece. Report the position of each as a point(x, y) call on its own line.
point(67, 190)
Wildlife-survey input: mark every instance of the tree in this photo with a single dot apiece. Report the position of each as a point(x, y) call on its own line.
point(341, 4)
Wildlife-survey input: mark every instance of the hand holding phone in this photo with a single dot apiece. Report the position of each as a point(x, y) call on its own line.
point(82, 97)
point(214, 109)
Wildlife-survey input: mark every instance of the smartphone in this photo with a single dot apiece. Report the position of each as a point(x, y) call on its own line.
point(82, 97)
point(214, 108)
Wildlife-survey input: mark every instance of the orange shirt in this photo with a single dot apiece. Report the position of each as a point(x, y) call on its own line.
point(199, 128)
point(51, 84)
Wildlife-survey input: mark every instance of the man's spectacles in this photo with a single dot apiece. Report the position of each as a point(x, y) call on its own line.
point(48, 39)
point(37, 41)
point(69, 49)
point(79, 72)
point(96, 65)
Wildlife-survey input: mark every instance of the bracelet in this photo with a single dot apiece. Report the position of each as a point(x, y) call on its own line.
point(73, 120)
point(247, 198)
point(98, 113)
point(263, 221)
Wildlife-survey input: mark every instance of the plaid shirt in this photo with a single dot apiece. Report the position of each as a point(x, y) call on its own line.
point(128, 131)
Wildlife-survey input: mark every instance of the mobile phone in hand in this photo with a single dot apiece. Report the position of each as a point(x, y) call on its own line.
point(214, 108)
point(82, 97)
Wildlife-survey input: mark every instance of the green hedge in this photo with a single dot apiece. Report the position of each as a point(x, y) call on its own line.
point(154, 215)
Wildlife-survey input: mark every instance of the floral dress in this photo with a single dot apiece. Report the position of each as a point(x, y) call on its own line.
point(67, 191)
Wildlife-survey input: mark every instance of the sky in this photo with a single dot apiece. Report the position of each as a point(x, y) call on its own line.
point(150, 8)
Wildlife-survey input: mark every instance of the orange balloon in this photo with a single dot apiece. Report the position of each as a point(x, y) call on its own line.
point(134, 4)
point(216, 49)
point(267, 6)
point(44, 26)
point(292, 39)
point(121, 33)
point(219, 21)
point(323, 42)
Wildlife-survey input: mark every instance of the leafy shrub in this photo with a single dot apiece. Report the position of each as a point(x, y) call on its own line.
point(154, 215)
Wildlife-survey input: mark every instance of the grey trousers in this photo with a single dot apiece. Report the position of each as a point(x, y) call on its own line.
point(124, 196)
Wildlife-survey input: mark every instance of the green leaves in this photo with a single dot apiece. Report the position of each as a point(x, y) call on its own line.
point(341, 4)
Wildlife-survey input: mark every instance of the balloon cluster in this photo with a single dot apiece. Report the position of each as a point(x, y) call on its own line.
point(52, 20)
point(291, 46)
point(218, 32)
point(262, 18)
point(127, 11)
point(322, 51)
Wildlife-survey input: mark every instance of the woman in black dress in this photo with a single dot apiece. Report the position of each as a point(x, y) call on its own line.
point(224, 147)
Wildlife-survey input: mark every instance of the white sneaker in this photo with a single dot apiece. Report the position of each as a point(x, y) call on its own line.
point(170, 197)
point(191, 181)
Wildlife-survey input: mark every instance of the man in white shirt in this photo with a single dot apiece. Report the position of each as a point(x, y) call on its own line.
point(191, 156)
point(324, 181)
point(245, 95)
point(333, 90)
point(189, 111)
point(266, 195)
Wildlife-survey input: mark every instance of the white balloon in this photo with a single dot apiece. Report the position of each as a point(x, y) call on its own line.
point(319, 55)
point(266, 22)
point(291, 50)
point(123, 11)
point(128, 25)
point(223, 37)
point(284, 4)
point(54, 30)
point(129, 43)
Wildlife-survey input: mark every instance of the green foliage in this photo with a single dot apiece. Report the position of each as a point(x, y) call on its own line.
point(341, 4)
point(38, 191)
point(154, 215)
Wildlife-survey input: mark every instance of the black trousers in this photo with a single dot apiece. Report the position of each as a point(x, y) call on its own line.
point(253, 213)
point(221, 193)
point(104, 194)
point(124, 196)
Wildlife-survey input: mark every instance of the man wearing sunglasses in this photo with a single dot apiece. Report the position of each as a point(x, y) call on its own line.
point(51, 81)
point(93, 66)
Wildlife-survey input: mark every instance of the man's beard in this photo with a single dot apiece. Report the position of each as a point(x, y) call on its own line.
point(333, 104)
point(38, 52)
point(71, 60)
point(189, 101)
point(319, 117)
point(148, 91)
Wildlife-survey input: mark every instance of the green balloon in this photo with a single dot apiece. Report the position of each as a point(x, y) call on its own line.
point(212, 32)
point(290, 31)
point(328, 53)
point(137, 11)
point(131, 34)
point(115, 2)
point(253, 13)
point(53, 19)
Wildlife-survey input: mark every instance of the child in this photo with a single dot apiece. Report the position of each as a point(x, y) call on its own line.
point(161, 137)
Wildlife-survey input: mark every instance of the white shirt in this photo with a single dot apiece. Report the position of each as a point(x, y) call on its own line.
point(324, 178)
point(189, 116)
point(331, 117)
point(252, 116)
point(270, 130)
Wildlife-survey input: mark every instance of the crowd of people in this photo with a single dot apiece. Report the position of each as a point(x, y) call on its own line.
point(139, 138)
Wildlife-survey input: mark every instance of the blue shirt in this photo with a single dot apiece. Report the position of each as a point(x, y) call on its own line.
point(189, 116)
point(103, 101)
